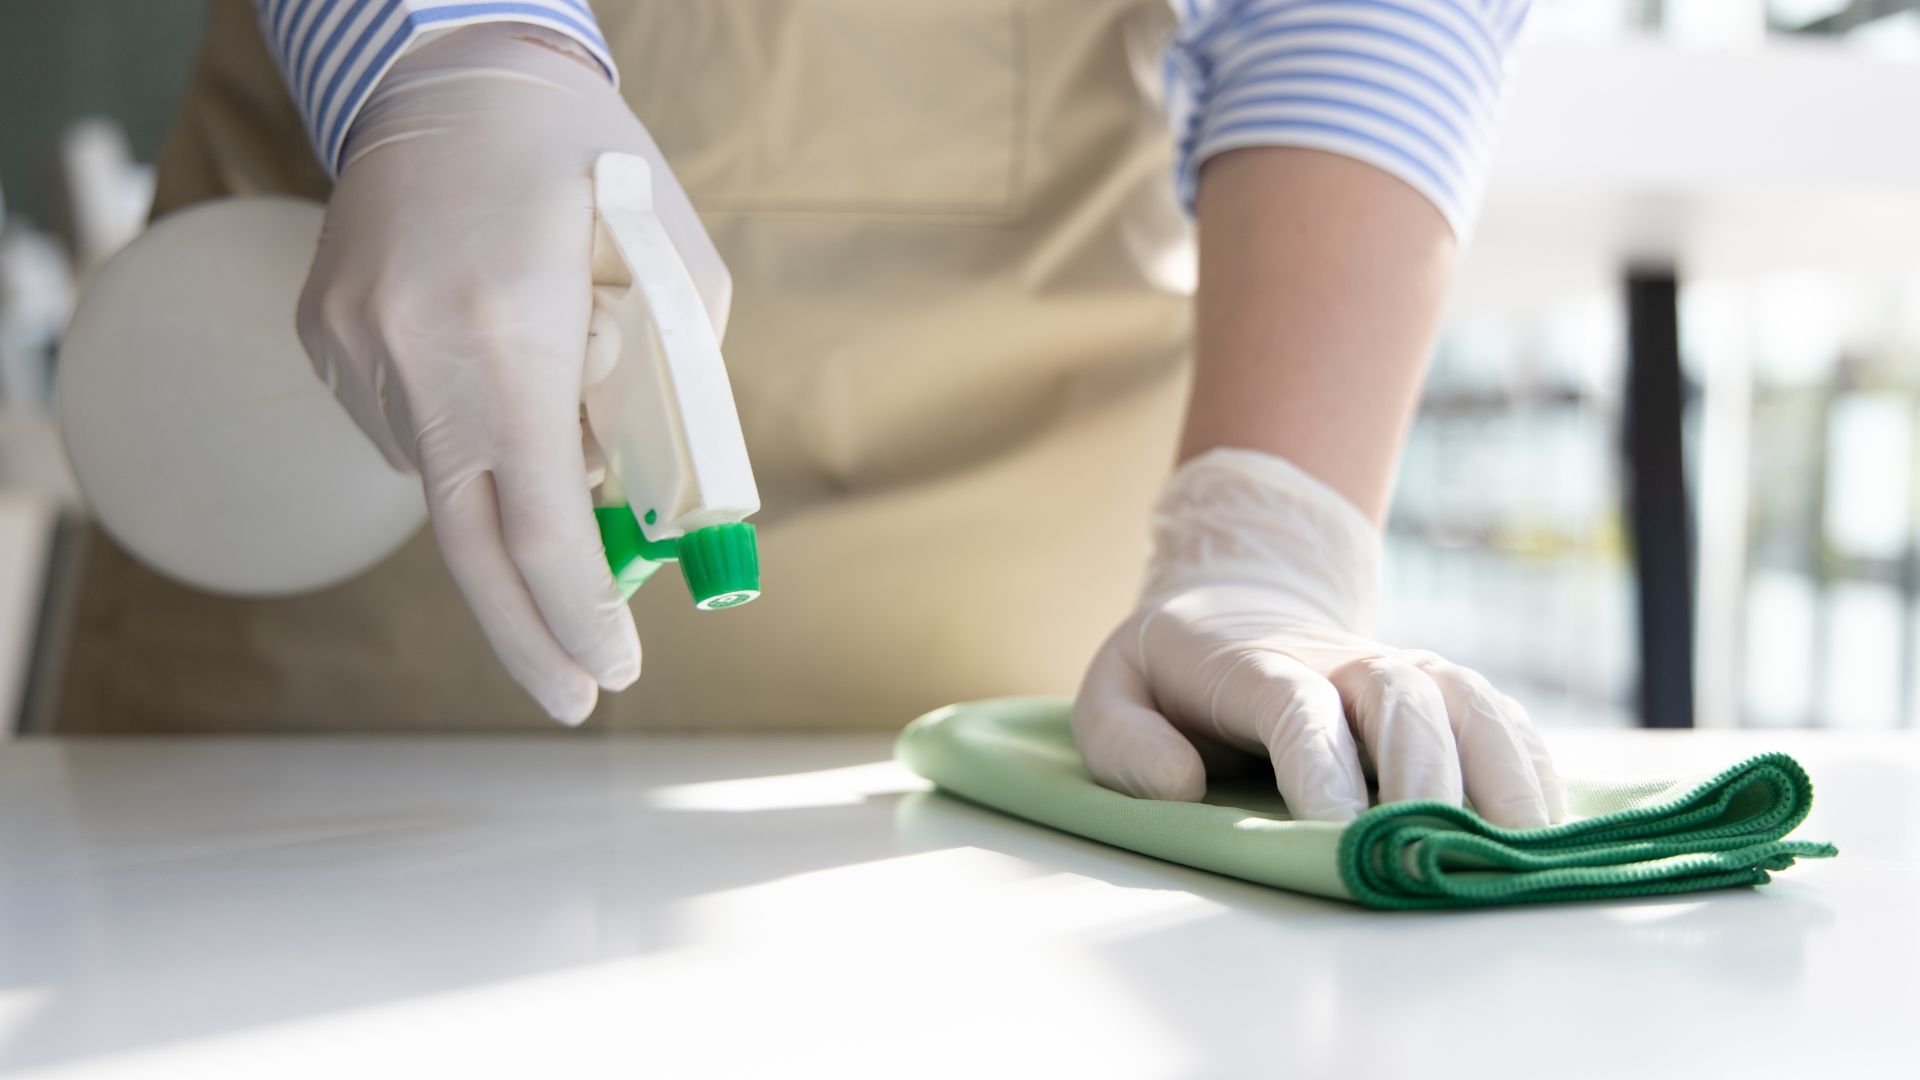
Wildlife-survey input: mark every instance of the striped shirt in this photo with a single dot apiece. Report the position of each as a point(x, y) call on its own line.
point(1413, 87)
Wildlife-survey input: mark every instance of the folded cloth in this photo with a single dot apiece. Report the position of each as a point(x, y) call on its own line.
point(1620, 839)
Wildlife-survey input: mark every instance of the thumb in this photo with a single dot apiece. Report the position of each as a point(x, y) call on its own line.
point(1127, 745)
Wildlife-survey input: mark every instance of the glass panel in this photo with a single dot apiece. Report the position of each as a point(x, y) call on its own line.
point(1781, 615)
point(1863, 656)
point(1503, 546)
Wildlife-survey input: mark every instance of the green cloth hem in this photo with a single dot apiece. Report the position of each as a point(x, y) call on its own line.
point(1726, 830)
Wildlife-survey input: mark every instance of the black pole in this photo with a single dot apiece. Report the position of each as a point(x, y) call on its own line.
point(1656, 497)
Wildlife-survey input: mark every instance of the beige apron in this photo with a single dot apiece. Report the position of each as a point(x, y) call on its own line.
point(958, 347)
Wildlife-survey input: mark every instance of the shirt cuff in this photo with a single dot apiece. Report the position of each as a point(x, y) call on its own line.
point(332, 53)
point(1412, 87)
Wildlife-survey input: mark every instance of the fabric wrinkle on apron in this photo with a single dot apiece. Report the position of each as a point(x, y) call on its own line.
point(958, 348)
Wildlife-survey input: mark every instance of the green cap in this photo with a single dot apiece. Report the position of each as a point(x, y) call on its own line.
point(721, 563)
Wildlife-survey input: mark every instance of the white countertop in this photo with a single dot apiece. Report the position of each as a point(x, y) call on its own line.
point(794, 906)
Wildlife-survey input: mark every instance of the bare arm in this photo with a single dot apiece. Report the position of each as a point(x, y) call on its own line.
point(1321, 285)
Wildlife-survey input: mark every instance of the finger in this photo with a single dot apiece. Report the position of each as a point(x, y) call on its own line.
point(359, 387)
point(1295, 714)
point(1494, 756)
point(546, 517)
point(1551, 785)
point(466, 522)
point(595, 458)
point(363, 390)
point(603, 345)
point(1125, 742)
point(1402, 721)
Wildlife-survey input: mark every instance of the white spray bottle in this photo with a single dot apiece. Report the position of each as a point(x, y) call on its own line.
point(205, 445)
point(679, 484)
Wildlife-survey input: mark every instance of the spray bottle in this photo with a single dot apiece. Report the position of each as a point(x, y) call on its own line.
point(679, 486)
point(207, 448)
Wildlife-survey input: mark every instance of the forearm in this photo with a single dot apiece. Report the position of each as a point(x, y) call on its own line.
point(1321, 285)
point(1332, 150)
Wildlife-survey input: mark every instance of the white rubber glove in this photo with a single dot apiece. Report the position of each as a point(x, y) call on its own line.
point(1251, 635)
point(448, 308)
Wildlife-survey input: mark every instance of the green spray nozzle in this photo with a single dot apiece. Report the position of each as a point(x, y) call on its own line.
point(720, 563)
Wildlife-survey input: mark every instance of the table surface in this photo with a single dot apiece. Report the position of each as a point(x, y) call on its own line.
point(798, 905)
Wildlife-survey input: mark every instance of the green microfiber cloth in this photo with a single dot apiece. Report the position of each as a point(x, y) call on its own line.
point(1621, 839)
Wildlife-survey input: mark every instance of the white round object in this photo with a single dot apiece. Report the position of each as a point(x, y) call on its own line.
point(198, 431)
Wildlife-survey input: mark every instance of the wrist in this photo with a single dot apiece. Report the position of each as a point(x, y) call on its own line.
point(510, 36)
point(1243, 517)
point(508, 85)
point(492, 44)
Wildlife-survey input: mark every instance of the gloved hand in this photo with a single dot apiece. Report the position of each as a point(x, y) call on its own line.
point(1251, 635)
point(448, 308)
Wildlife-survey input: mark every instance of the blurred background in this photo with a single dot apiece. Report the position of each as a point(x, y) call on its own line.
point(1665, 471)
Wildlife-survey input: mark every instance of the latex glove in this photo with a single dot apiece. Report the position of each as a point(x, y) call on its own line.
point(1251, 635)
point(448, 308)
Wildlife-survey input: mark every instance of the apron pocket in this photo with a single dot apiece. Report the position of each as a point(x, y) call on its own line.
point(836, 106)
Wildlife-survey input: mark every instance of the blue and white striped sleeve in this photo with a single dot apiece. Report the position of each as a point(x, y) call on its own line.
point(332, 52)
point(1413, 87)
